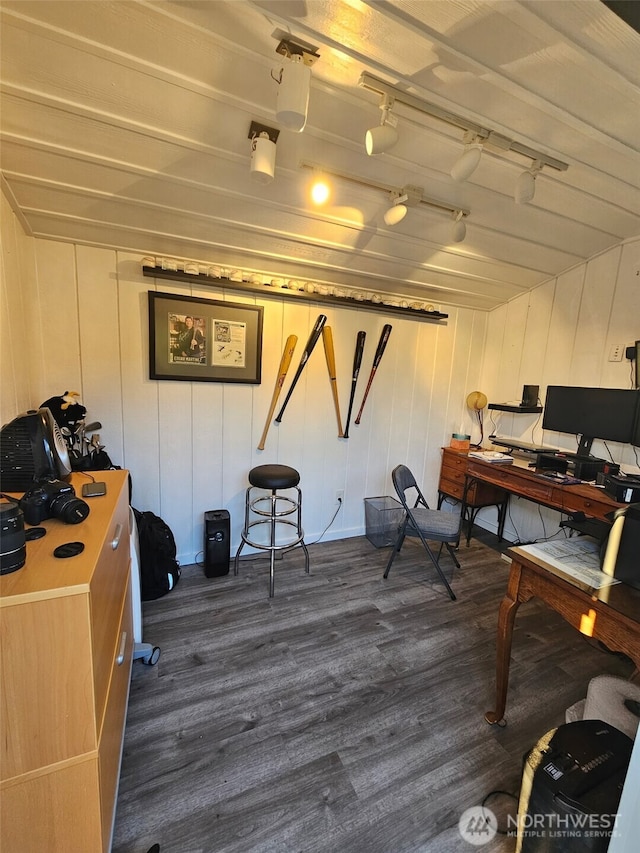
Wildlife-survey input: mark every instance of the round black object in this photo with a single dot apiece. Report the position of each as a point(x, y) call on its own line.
point(69, 508)
point(69, 549)
point(13, 551)
point(35, 533)
point(274, 477)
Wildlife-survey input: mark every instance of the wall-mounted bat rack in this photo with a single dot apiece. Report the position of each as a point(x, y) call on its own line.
point(155, 271)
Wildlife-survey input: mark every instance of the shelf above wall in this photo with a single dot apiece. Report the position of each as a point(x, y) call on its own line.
point(523, 410)
point(266, 290)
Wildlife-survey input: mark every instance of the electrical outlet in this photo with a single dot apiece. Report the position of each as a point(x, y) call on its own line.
point(340, 496)
point(615, 353)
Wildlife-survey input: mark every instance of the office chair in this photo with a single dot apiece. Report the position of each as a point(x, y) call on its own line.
point(425, 523)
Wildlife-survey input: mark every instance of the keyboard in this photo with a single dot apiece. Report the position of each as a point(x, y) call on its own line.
point(516, 444)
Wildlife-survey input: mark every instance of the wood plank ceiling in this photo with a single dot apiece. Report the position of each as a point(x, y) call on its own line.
point(125, 124)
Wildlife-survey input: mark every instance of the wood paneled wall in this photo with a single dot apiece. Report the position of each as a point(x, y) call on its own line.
point(561, 333)
point(75, 318)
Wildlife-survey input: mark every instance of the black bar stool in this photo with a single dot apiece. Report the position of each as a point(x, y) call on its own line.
point(273, 508)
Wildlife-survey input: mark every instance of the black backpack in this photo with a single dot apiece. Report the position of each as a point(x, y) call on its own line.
point(159, 569)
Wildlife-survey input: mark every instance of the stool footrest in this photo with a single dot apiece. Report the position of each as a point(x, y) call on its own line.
point(267, 546)
point(273, 477)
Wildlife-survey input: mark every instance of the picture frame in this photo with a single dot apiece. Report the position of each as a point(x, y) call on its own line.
point(204, 340)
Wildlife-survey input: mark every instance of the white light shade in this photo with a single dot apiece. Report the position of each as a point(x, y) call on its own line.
point(459, 231)
point(525, 187)
point(293, 95)
point(380, 139)
point(468, 163)
point(263, 159)
point(395, 214)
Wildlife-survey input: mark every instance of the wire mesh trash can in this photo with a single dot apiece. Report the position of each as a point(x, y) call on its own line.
point(382, 515)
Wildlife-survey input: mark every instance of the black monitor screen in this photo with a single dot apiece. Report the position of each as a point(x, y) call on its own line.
point(606, 413)
point(635, 439)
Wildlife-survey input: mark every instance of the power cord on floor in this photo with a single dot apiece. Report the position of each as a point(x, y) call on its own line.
point(315, 542)
point(495, 794)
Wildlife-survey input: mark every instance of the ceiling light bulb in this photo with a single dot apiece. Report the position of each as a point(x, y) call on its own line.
point(468, 163)
point(380, 139)
point(320, 191)
point(292, 99)
point(526, 184)
point(396, 213)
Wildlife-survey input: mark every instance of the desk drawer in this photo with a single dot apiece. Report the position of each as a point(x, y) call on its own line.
point(590, 506)
point(451, 487)
point(513, 481)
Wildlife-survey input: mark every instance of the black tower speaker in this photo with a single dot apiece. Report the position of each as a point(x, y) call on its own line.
point(530, 395)
point(217, 536)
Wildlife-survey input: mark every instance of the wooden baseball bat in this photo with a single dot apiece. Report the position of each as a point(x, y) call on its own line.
point(357, 361)
point(382, 343)
point(313, 340)
point(285, 361)
point(327, 340)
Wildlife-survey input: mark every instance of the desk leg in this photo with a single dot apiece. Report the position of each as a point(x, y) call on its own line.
point(463, 511)
point(502, 516)
point(506, 618)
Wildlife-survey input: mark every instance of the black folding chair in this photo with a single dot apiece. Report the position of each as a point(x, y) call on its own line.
point(425, 523)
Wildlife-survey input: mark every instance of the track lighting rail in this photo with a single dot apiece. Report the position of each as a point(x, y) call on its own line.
point(488, 137)
point(387, 188)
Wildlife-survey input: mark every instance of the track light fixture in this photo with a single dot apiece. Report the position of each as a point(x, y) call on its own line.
point(468, 163)
point(263, 152)
point(398, 210)
point(526, 183)
point(401, 200)
point(382, 138)
point(459, 230)
point(294, 82)
point(476, 136)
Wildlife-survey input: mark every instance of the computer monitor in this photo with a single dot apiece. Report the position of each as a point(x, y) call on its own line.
point(635, 438)
point(606, 413)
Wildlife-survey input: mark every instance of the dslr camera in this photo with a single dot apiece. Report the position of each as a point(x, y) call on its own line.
point(53, 499)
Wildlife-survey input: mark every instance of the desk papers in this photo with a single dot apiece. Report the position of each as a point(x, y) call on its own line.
point(491, 456)
point(579, 558)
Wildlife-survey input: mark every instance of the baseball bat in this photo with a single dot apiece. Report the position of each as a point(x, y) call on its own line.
point(313, 340)
point(357, 361)
point(327, 340)
point(382, 343)
point(285, 361)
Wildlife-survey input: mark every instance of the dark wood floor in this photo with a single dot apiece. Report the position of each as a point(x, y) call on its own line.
point(345, 714)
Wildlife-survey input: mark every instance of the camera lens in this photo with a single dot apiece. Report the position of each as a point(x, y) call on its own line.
point(68, 508)
point(13, 549)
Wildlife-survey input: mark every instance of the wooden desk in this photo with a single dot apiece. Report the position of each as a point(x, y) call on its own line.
point(474, 494)
point(518, 479)
point(613, 611)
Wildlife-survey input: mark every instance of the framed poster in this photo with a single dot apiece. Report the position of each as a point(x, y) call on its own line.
point(204, 340)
